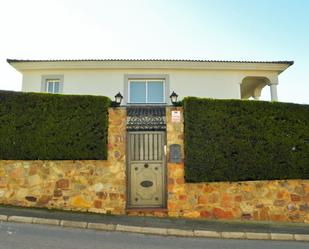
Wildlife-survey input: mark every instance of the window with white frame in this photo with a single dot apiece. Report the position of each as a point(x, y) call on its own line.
point(150, 91)
point(53, 85)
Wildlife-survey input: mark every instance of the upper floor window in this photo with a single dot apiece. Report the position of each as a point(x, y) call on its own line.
point(53, 86)
point(146, 91)
point(52, 83)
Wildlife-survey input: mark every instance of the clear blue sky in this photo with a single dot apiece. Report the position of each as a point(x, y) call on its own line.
point(186, 29)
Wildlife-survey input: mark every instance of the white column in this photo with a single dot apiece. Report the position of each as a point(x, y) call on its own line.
point(273, 92)
point(239, 92)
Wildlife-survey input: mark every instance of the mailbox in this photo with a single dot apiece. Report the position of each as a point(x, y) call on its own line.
point(175, 153)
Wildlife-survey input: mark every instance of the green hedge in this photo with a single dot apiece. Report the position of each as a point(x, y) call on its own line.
point(51, 126)
point(234, 140)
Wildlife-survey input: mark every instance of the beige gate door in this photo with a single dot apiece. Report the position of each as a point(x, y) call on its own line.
point(146, 169)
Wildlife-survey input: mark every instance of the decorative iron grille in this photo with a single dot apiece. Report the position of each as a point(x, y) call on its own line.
point(146, 118)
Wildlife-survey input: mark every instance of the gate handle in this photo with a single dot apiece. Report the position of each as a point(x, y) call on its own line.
point(165, 150)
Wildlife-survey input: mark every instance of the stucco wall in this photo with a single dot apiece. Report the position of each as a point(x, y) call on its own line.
point(95, 186)
point(107, 82)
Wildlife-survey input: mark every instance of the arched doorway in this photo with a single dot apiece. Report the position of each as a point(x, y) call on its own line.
point(251, 87)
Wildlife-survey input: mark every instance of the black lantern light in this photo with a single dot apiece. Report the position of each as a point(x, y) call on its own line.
point(174, 97)
point(118, 99)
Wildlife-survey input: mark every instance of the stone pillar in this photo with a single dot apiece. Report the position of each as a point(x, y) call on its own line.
point(117, 134)
point(175, 171)
point(116, 179)
point(273, 92)
point(174, 129)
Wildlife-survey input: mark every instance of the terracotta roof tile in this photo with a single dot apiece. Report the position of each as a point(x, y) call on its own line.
point(151, 60)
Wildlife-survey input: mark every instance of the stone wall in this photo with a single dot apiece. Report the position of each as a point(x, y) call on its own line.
point(100, 186)
point(285, 200)
point(88, 185)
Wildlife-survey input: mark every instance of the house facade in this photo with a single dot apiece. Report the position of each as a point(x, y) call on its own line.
point(152, 81)
point(146, 148)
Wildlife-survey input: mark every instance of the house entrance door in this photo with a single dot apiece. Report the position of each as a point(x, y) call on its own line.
point(146, 169)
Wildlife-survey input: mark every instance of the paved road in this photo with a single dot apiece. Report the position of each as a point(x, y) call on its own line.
point(27, 236)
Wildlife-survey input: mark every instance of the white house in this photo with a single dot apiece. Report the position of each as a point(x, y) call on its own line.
point(152, 81)
point(152, 136)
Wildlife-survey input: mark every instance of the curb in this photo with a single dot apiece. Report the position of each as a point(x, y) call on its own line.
point(157, 230)
point(3, 218)
point(44, 221)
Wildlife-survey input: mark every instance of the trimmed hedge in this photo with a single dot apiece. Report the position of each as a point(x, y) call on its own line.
point(52, 127)
point(235, 140)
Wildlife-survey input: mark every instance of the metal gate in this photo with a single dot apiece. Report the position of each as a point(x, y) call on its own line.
point(146, 169)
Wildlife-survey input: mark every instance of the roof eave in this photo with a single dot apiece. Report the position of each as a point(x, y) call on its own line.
point(22, 65)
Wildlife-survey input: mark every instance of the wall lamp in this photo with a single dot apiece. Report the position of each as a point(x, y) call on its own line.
point(118, 99)
point(174, 97)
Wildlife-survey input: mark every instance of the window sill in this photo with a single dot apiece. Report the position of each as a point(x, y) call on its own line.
point(146, 104)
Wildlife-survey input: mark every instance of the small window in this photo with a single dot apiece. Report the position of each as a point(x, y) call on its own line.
point(146, 91)
point(53, 86)
point(52, 83)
